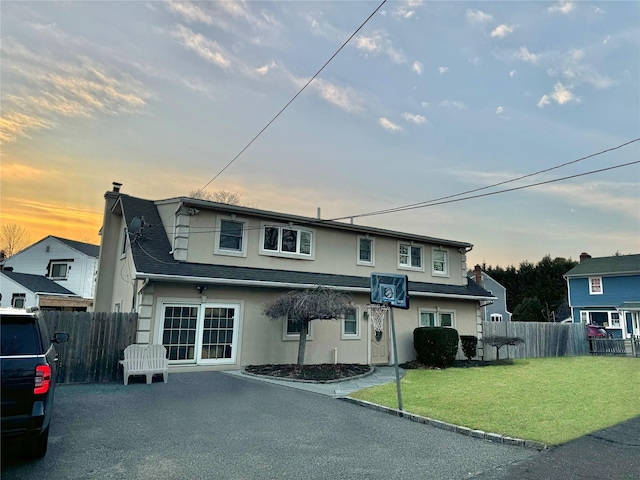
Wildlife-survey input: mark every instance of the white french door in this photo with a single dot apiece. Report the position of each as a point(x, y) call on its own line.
point(205, 334)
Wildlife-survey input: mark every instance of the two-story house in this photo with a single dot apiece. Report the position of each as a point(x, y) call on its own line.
point(69, 263)
point(605, 291)
point(199, 274)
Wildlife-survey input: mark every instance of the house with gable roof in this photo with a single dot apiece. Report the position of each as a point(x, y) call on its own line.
point(496, 310)
point(199, 273)
point(605, 291)
point(20, 290)
point(71, 264)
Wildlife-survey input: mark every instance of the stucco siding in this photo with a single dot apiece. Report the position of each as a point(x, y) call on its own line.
point(335, 251)
point(263, 341)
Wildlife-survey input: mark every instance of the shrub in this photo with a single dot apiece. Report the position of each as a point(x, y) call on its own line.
point(436, 346)
point(469, 344)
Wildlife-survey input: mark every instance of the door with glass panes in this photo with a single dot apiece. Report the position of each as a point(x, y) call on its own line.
point(200, 334)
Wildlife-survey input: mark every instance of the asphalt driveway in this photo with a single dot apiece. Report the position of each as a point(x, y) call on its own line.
point(217, 426)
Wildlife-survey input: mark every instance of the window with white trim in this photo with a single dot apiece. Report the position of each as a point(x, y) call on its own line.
point(496, 317)
point(287, 241)
point(439, 262)
point(350, 326)
point(58, 270)
point(614, 319)
point(437, 318)
point(584, 317)
point(595, 285)
point(365, 251)
point(230, 237)
point(410, 256)
point(291, 330)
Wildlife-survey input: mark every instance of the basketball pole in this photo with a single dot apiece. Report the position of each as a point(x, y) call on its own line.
point(395, 357)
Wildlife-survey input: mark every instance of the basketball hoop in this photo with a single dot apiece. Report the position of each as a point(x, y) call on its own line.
point(376, 314)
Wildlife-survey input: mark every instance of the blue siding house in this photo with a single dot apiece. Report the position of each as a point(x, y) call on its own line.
point(605, 291)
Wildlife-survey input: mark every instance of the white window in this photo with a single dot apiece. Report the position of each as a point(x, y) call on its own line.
point(614, 319)
point(439, 262)
point(365, 251)
point(230, 237)
point(201, 334)
point(410, 256)
point(496, 317)
point(287, 241)
point(17, 300)
point(291, 330)
point(350, 326)
point(595, 285)
point(438, 318)
point(584, 317)
point(59, 270)
point(117, 307)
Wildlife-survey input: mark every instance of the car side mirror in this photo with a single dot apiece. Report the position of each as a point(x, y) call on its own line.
point(60, 337)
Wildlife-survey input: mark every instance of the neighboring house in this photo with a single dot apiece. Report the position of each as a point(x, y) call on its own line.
point(605, 291)
point(71, 264)
point(496, 310)
point(199, 273)
point(20, 290)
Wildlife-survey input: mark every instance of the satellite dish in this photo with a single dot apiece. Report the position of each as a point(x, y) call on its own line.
point(136, 226)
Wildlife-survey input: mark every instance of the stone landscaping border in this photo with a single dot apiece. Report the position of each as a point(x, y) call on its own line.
point(492, 437)
point(298, 380)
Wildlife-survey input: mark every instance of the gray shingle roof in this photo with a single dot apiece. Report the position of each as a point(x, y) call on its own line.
point(87, 248)
point(38, 283)
point(616, 265)
point(152, 258)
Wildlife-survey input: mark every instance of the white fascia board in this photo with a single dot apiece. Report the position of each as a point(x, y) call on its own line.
point(255, 283)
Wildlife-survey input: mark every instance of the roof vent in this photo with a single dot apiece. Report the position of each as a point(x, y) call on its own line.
point(116, 186)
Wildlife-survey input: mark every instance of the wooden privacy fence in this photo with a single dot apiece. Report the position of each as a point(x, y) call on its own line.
point(96, 342)
point(540, 339)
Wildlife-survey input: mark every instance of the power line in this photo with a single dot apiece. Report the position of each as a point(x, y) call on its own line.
point(413, 207)
point(209, 230)
point(294, 97)
point(429, 202)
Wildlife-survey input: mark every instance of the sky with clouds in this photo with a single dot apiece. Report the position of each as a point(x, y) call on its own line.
point(429, 99)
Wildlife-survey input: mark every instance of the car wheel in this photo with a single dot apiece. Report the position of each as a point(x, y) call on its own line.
point(38, 446)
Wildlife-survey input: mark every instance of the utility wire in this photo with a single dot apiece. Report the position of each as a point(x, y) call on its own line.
point(413, 207)
point(294, 97)
point(445, 200)
point(428, 202)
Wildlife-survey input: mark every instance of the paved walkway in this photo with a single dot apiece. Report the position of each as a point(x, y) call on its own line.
point(380, 376)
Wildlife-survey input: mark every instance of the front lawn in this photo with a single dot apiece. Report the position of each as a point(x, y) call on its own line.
point(550, 400)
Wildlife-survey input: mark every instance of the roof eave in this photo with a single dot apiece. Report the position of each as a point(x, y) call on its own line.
point(268, 284)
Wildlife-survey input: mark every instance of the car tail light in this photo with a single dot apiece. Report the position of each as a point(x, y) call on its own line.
point(43, 379)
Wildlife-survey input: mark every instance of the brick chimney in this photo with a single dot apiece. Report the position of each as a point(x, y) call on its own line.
point(477, 270)
point(584, 256)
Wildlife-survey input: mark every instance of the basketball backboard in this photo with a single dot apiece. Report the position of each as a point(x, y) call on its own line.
point(390, 289)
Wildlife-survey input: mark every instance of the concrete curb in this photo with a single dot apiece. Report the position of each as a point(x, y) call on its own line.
point(296, 380)
point(492, 437)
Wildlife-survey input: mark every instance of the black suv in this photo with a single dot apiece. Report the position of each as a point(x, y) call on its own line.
point(28, 362)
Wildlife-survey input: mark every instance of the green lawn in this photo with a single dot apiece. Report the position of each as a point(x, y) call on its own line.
point(550, 400)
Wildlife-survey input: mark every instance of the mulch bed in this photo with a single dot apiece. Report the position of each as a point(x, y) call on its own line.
point(319, 373)
point(416, 365)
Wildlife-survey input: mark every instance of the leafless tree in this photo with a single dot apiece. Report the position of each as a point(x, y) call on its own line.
point(13, 238)
point(222, 196)
point(302, 306)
